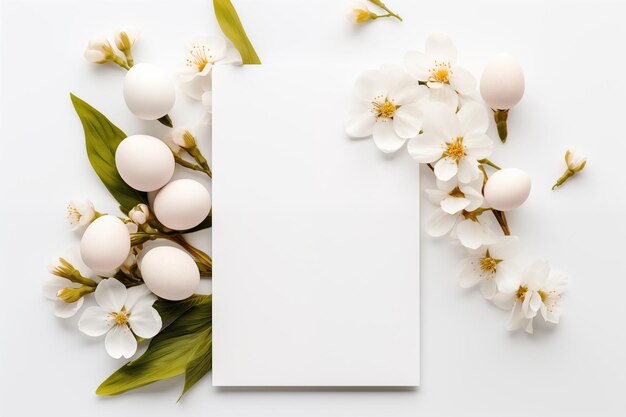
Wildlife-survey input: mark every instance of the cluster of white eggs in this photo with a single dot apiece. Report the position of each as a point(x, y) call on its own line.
point(147, 164)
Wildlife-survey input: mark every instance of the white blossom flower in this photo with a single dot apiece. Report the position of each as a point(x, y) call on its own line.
point(99, 50)
point(456, 142)
point(121, 314)
point(130, 264)
point(390, 106)
point(358, 12)
point(491, 266)
point(538, 290)
point(51, 290)
point(437, 66)
point(80, 213)
point(454, 196)
point(139, 214)
point(472, 228)
point(204, 52)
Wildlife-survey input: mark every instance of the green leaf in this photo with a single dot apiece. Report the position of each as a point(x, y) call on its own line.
point(199, 364)
point(169, 310)
point(231, 26)
point(102, 138)
point(170, 353)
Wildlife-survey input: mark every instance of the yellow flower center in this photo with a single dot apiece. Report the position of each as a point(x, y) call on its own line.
point(521, 293)
point(441, 72)
point(200, 56)
point(549, 298)
point(121, 317)
point(488, 264)
point(73, 215)
point(455, 149)
point(383, 108)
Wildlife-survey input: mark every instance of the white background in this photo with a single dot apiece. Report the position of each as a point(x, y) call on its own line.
point(572, 53)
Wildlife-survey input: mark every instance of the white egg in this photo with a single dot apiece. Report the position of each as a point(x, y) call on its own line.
point(144, 162)
point(182, 204)
point(149, 91)
point(170, 273)
point(507, 189)
point(502, 82)
point(105, 244)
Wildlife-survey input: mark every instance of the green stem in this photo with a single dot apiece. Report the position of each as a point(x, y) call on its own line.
point(205, 262)
point(501, 116)
point(200, 159)
point(385, 8)
point(129, 58)
point(119, 61)
point(568, 174)
point(180, 161)
point(488, 162)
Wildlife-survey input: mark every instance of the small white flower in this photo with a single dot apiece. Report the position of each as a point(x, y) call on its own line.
point(99, 50)
point(125, 38)
point(390, 106)
point(455, 141)
point(454, 196)
point(437, 66)
point(202, 53)
point(183, 137)
point(62, 309)
point(472, 229)
point(537, 290)
point(130, 264)
point(139, 214)
point(358, 12)
point(80, 213)
point(121, 314)
point(575, 160)
point(491, 266)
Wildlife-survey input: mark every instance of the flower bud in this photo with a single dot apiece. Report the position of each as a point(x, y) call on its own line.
point(575, 160)
point(130, 264)
point(139, 214)
point(183, 138)
point(359, 13)
point(71, 295)
point(81, 213)
point(125, 39)
point(169, 141)
point(99, 50)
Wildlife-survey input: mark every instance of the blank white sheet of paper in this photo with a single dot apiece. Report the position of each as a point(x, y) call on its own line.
point(315, 236)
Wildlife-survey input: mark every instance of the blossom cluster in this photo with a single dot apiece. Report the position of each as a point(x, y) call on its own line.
point(427, 104)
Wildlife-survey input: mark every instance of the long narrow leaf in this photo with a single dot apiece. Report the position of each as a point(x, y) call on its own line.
point(102, 139)
point(233, 29)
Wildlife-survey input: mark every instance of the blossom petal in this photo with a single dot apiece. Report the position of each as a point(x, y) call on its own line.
point(453, 205)
point(138, 296)
point(441, 48)
point(95, 321)
point(468, 170)
point(470, 233)
point(473, 118)
point(435, 196)
point(488, 288)
point(65, 310)
point(441, 122)
point(417, 65)
point(51, 287)
point(505, 248)
point(440, 223)
point(478, 145)
point(407, 121)
point(462, 81)
point(504, 300)
point(145, 321)
point(370, 84)
point(516, 318)
point(535, 302)
point(361, 125)
point(425, 148)
point(445, 96)
point(405, 90)
point(508, 276)
point(538, 274)
point(475, 198)
point(445, 169)
point(386, 138)
point(469, 274)
point(111, 295)
point(120, 341)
